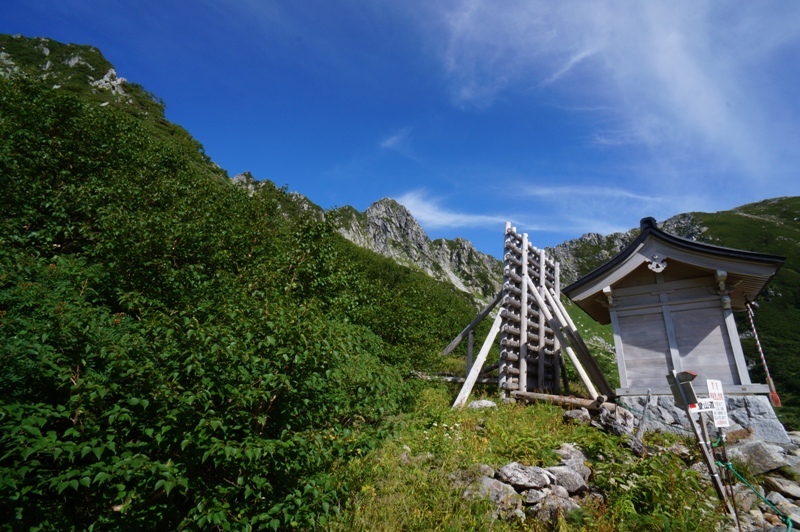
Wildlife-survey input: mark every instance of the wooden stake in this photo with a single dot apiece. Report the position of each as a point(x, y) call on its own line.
point(562, 400)
point(580, 346)
point(474, 323)
point(463, 395)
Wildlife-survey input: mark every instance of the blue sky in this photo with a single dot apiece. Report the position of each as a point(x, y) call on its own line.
point(561, 117)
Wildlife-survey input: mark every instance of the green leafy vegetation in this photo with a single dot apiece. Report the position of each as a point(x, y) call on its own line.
point(177, 350)
point(409, 483)
point(182, 352)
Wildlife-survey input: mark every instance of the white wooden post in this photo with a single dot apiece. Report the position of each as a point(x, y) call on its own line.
point(523, 325)
point(554, 324)
point(463, 395)
point(542, 329)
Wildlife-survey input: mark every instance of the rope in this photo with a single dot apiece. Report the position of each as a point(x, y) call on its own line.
point(776, 401)
point(785, 518)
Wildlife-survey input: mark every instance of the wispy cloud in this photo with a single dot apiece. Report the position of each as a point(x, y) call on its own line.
point(574, 60)
point(594, 192)
point(699, 83)
point(430, 213)
point(397, 140)
point(560, 212)
point(588, 208)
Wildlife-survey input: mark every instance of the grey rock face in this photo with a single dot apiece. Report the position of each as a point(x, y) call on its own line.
point(783, 486)
point(786, 506)
point(492, 489)
point(388, 228)
point(569, 479)
point(573, 458)
point(754, 413)
point(618, 421)
point(532, 497)
point(745, 497)
point(552, 506)
point(759, 457)
point(580, 415)
point(110, 82)
point(524, 477)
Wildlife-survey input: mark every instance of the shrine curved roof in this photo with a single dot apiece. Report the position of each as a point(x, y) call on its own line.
point(756, 268)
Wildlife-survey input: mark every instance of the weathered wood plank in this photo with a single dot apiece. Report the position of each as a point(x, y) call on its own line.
point(463, 395)
point(559, 335)
point(580, 346)
point(474, 323)
point(563, 400)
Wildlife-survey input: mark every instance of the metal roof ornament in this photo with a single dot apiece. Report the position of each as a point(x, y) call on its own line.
point(657, 264)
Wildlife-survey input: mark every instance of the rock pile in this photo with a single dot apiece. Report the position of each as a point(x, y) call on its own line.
point(776, 467)
point(521, 491)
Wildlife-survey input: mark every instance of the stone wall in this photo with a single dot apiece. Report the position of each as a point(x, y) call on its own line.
point(746, 412)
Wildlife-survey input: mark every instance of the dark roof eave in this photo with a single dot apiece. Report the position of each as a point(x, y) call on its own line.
point(648, 227)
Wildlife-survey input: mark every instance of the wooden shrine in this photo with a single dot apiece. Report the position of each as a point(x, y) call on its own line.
point(670, 302)
point(535, 330)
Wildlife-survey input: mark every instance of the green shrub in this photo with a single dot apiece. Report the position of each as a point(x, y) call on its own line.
point(176, 351)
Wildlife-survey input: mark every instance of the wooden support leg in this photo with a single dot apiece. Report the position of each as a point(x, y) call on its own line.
point(463, 395)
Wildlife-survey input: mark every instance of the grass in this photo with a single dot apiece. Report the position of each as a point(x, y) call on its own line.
point(409, 482)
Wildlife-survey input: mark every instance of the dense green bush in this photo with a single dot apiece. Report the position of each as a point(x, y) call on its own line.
point(178, 352)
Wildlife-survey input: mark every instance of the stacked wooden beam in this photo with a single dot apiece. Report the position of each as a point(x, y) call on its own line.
point(530, 354)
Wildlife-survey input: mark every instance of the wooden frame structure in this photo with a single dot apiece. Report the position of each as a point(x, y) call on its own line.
point(534, 329)
point(671, 301)
point(530, 354)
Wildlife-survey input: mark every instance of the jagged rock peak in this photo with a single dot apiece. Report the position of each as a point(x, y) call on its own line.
point(388, 228)
point(391, 224)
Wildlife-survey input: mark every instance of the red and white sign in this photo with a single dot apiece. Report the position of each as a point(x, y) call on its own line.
point(720, 411)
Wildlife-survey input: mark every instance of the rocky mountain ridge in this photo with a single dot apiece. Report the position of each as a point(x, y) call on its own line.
point(78, 69)
point(388, 228)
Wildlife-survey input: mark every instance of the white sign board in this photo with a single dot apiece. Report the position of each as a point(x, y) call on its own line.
point(702, 405)
point(720, 411)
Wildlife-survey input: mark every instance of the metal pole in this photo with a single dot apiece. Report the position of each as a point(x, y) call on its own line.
point(704, 447)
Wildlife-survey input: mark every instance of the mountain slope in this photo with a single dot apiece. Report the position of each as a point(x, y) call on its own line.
point(177, 349)
point(182, 351)
point(388, 228)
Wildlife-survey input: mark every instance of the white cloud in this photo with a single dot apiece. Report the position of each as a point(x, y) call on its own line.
point(593, 192)
point(569, 65)
point(396, 140)
point(697, 84)
point(560, 212)
point(431, 214)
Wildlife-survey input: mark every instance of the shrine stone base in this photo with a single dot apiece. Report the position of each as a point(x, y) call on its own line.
point(752, 412)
